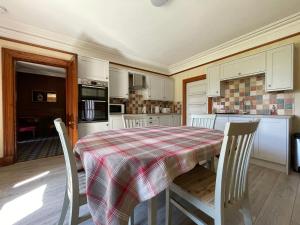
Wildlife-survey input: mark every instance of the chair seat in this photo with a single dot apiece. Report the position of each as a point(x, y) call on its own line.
point(199, 183)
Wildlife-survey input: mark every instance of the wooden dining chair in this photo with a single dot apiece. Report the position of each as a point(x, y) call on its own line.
point(218, 195)
point(204, 120)
point(133, 121)
point(75, 195)
point(75, 186)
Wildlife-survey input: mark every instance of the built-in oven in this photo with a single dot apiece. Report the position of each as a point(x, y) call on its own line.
point(92, 101)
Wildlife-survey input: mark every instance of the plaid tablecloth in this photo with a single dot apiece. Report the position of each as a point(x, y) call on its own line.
point(128, 166)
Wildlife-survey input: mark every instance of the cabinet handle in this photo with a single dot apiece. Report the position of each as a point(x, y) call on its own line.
point(106, 78)
point(269, 85)
point(240, 73)
point(217, 91)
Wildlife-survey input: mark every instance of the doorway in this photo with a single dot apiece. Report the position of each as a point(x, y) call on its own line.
point(9, 80)
point(40, 98)
point(194, 98)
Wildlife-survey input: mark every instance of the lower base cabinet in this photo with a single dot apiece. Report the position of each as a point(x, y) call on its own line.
point(116, 121)
point(89, 128)
point(272, 140)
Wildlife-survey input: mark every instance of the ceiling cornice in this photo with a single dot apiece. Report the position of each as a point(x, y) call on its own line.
point(277, 30)
point(24, 32)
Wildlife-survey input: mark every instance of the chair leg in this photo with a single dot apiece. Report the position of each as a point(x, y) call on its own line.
point(74, 213)
point(64, 208)
point(212, 164)
point(131, 219)
point(168, 208)
point(246, 212)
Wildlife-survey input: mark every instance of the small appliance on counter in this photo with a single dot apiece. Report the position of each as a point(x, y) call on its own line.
point(116, 108)
point(166, 110)
point(156, 109)
point(92, 101)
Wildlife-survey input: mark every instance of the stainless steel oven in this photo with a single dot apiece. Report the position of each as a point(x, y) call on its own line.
point(93, 101)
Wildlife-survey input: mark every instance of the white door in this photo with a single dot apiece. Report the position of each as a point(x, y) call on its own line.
point(196, 99)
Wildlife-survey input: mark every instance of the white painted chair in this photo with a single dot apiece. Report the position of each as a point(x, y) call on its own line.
point(218, 195)
point(133, 121)
point(76, 182)
point(204, 120)
point(75, 186)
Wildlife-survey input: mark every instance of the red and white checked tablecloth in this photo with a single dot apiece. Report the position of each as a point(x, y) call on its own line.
point(128, 166)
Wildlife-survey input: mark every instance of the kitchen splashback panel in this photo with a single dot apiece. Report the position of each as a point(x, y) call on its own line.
point(136, 102)
point(248, 94)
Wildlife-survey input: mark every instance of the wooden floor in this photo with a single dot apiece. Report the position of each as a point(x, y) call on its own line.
point(32, 192)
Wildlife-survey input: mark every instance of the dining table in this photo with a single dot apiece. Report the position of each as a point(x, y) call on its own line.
point(127, 166)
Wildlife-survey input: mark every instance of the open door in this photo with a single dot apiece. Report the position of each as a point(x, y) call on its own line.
point(9, 96)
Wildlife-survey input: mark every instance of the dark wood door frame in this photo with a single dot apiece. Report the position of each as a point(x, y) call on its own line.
point(9, 58)
point(184, 84)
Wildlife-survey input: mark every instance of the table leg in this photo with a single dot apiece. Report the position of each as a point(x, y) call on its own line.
point(152, 210)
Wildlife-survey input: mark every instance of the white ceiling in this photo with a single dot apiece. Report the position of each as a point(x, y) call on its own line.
point(163, 35)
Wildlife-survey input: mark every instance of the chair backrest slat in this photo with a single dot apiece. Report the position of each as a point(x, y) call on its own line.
point(134, 121)
point(72, 177)
point(204, 120)
point(231, 183)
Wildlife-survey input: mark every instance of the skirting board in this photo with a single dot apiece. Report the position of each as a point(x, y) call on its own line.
point(6, 161)
point(270, 165)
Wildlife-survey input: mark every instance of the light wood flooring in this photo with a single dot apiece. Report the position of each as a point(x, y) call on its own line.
point(31, 193)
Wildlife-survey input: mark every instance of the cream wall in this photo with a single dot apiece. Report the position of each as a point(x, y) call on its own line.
point(27, 48)
point(202, 70)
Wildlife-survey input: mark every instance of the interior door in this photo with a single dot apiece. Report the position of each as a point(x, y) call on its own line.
point(196, 99)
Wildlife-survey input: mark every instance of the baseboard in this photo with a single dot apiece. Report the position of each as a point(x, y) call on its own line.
point(270, 165)
point(6, 161)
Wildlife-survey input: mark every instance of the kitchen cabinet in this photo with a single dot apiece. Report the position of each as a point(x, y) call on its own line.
point(176, 120)
point(168, 89)
point(271, 146)
point(89, 128)
point(116, 122)
point(92, 68)
point(273, 141)
point(279, 74)
point(118, 83)
point(220, 122)
point(155, 88)
point(251, 65)
point(213, 81)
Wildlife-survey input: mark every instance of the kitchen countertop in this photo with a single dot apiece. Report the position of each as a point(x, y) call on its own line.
point(146, 114)
point(256, 115)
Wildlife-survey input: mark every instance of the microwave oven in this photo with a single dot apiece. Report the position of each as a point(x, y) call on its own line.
point(117, 108)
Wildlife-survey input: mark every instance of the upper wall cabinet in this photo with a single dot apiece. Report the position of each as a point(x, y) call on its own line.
point(246, 66)
point(168, 89)
point(118, 83)
point(91, 68)
point(213, 81)
point(155, 88)
point(159, 88)
point(279, 74)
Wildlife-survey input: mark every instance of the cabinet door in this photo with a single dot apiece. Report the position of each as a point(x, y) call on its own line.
point(118, 83)
point(89, 128)
point(176, 120)
point(279, 74)
point(116, 122)
point(273, 140)
point(91, 68)
point(165, 120)
point(246, 66)
point(169, 90)
point(221, 122)
point(213, 81)
point(156, 88)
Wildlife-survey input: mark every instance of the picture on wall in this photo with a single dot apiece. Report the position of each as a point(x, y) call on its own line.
point(44, 96)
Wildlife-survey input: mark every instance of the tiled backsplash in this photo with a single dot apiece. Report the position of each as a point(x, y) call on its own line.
point(136, 102)
point(248, 94)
